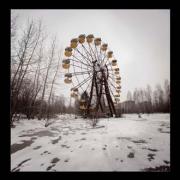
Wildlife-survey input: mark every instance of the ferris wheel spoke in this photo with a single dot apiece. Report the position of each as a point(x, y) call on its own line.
point(83, 56)
point(87, 52)
point(101, 55)
point(83, 82)
point(76, 76)
point(88, 85)
point(107, 61)
point(78, 66)
point(111, 91)
point(80, 73)
point(97, 52)
point(92, 51)
point(105, 56)
point(112, 84)
point(79, 61)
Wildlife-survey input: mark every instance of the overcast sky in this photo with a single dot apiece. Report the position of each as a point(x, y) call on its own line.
point(140, 39)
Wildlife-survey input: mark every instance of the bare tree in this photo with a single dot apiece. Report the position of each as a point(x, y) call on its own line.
point(50, 60)
point(52, 85)
point(27, 46)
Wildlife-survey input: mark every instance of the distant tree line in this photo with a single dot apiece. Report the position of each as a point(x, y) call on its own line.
point(148, 101)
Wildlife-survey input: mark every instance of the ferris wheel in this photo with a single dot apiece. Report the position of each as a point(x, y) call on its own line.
point(93, 72)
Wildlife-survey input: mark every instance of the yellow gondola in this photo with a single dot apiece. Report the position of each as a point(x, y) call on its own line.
point(97, 41)
point(74, 92)
point(109, 54)
point(117, 95)
point(74, 43)
point(104, 47)
point(118, 87)
point(114, 62)
point(116, 72)
point(82, 38)
point(66, 63)
point(74, 95)
point(116, 69)
point(118, 90)
point(66, 66)
point(68, 80)
point(74, 89)
point(90, 38)
point(118, 82)
point(118, 78)
point(68, 52)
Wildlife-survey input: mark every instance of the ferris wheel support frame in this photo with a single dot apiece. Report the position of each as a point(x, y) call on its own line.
point(99, 94)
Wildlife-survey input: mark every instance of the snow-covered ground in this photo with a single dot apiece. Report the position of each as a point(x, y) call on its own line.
point(68, 144)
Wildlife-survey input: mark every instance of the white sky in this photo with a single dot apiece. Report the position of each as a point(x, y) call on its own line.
point(140, 39)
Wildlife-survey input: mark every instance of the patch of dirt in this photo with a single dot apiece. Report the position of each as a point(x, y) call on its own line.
point(139, 141)
point(167, 162)
point(45, 152)
point(154, 150)
point(19, 165)
point(39, 134)
point(131, 155)
point(162, 131)
point(17, 147)
point(66, 160)
point(49, 167)
point(158, 169)
point(151, 156)
point(55, 160)
point(37, 147)
point(65, 146)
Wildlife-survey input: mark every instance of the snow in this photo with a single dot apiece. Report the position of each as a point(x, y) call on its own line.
point(129, 143)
